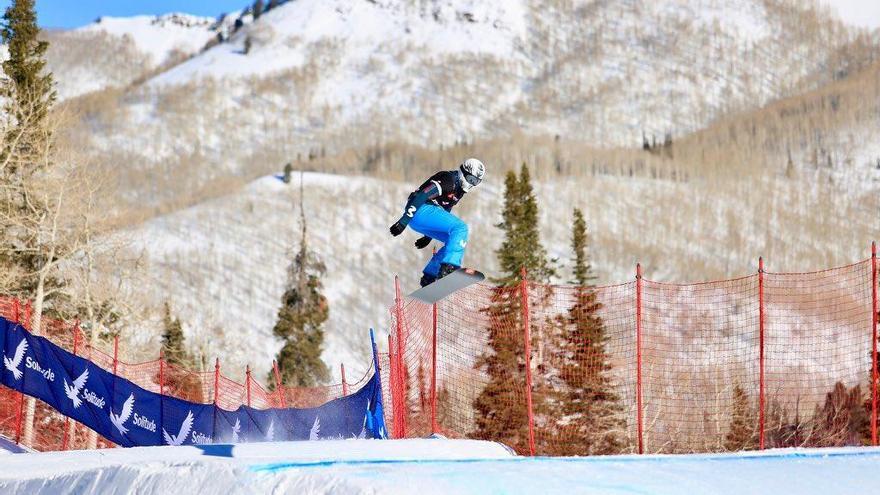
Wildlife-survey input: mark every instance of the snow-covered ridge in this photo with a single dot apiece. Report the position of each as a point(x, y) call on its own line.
point(277, 41)
point(159, 36)
point(440, 71)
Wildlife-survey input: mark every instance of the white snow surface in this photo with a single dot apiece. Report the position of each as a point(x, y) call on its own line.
point(354, 73)
point(488, 28)
point(159, 36)
point(431, 466)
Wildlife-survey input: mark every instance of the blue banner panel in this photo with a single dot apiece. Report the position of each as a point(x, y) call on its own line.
point(130, 416)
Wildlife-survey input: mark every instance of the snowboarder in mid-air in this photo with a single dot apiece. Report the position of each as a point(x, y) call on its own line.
point(428, 212)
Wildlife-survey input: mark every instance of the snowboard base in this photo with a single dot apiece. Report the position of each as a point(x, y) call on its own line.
point(440, 288)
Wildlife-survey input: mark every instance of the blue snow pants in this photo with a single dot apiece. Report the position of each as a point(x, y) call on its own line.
point(439, 224)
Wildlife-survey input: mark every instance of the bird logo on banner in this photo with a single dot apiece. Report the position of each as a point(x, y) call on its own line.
point(270, 432)
point(124, 415)
point(72, 392)
point(13, 364)
point(185, 428)
point(316, 429)
point(236, 429)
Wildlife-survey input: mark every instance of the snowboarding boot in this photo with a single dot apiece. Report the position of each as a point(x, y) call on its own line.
point(427, 279)
point(446, 269)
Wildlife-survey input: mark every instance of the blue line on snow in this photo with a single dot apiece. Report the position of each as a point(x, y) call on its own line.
point(280, 466)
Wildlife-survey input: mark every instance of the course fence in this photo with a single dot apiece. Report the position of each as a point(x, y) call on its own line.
point(766, 360)
point(53, 431)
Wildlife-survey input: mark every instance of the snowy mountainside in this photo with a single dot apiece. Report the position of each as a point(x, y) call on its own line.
point(222, 263)
point(159, 36)
point(349, 74)
point(113, 52)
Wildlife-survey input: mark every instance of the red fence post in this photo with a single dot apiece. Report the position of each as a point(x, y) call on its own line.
point(527, 324)
point(392, 386)
point(247, 383)
point(28, 318)
point(216, 379)
point(401, 362)
point(278, 384)
point(67, 428)
point(761, 392)
point(434, 427)
point(639, 357)
point(115, 353)
point(16, 316)
point(19, 420)
point(161, 372)
point(344, 385)
point(874, 343)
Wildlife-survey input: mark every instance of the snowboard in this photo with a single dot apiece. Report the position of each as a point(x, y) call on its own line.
point(440, 288)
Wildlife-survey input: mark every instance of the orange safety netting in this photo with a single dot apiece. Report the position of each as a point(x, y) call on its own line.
point(767, 360)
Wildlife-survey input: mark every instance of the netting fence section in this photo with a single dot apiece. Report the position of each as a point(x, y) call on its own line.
point(766, 360)
point(700, 343)
point(819, 356)
point(53, 431)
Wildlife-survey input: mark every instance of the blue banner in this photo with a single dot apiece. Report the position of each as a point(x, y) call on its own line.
point(130, 416)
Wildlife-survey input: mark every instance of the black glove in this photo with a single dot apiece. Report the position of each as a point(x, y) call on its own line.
point(397, 229)
point(423, 242)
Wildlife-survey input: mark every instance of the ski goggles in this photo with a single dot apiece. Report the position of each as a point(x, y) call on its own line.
point(471, 179)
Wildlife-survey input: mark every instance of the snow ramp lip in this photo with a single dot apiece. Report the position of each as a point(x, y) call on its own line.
point(782, 454)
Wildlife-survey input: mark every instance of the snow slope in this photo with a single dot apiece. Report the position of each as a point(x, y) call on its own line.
point(159, 36)
point(355, 73)
point(114, 52)
point(431, 466)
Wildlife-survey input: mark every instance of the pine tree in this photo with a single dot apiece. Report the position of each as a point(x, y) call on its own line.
point(27, 88)
point(586, 399)
point(173, 345)
point(741, 435)
point(842, 420)
point(501, 413)
point(32, 239)
point(303, 312)
point(522, 246)
point(178, 380)
point(27, 95)
point(258, 9)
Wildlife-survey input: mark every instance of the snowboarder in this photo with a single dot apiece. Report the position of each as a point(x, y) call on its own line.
point(428, 212)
